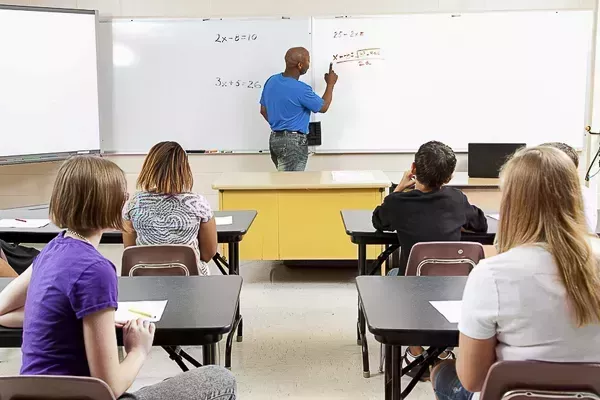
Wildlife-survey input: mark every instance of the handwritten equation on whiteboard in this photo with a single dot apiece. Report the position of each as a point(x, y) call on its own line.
point(236, 38)
point(362, 57)
point(219, 82)
point(345, 34)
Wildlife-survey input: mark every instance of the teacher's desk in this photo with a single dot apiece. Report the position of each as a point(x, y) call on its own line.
point(298, 212)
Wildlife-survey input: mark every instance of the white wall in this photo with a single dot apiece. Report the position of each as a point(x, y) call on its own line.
point(31, 184)
point(203, 8)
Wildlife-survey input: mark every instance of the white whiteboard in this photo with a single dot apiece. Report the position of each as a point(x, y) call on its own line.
point(488, 77)
point(178, 80)
point(48, 82)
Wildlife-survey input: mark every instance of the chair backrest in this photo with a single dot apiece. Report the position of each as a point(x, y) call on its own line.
point(53, 387)
point(533, 380)
point(443, 258)
point(162, 260)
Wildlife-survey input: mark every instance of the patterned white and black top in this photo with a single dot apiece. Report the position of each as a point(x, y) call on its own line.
point(168, 219)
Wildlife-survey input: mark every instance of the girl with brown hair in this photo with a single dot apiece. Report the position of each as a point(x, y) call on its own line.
point(539, 299)
point(165, 211)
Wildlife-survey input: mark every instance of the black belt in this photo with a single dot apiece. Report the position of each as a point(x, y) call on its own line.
point(286, 131)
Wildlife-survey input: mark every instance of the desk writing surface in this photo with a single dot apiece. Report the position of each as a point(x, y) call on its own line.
point(199, 310)
point(242, 220)
point(195, 302)
point(301, 180)
point(398, 309)
point(459, 180)
point(359, 222)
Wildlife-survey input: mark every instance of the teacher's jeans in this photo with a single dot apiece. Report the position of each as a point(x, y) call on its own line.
point(289, 150)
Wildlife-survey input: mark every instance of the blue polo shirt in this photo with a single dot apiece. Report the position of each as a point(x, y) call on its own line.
point(289, 103)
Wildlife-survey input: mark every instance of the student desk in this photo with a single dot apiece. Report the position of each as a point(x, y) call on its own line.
point(481, 192)
point(399, 314)
point(298, 211)
point(199, 312)
point(359, 227)
point(232, 235)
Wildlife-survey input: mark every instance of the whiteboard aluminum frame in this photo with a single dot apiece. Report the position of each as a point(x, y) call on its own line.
point(48, 157)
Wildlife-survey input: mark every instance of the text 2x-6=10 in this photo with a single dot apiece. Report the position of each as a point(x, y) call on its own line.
point(237, 38)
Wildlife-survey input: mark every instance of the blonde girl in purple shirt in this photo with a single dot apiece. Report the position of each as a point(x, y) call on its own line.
point(66, 301)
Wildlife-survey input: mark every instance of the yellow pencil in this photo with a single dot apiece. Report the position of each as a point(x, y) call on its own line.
point(144, 314)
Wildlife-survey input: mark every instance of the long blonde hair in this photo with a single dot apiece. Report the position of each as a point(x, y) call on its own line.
point(542, 204)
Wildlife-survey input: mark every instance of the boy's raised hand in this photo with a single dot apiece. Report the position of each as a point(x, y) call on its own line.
point(408, 180)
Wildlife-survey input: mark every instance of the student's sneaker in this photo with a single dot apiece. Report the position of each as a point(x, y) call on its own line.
point(409, 357)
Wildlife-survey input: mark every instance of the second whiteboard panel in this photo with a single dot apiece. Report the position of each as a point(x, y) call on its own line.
point(487, 77)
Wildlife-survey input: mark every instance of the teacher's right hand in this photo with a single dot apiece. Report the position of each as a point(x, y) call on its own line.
point(331, 77)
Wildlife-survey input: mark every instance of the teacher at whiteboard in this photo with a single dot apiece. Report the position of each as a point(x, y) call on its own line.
point(286, 104)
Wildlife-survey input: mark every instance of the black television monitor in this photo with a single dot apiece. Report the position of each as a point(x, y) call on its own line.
point(486, 159)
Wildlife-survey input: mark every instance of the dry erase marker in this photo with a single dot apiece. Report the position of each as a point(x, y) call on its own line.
point(143, 314)
point(20, 220)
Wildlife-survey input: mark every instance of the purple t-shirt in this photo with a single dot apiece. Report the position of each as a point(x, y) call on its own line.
point(70, 280)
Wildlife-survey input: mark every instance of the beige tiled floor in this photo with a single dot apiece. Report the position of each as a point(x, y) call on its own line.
point(299, 338)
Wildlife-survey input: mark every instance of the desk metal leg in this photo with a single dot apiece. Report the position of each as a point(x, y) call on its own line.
point(362, 326)
point(209, 354)
point(365, 345)
point(387, 377)
point(171, 350)
point(177, 354)
point(238, 326)
point(362, 266)
point(396, 372)
point(220, 263)
point(234, 256)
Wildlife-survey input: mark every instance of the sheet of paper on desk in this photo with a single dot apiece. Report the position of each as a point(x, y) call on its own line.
point(449, 309)
point(351, 176)
point(494, 216)
point(149, 310)
point(224, 220)
point(24, 223)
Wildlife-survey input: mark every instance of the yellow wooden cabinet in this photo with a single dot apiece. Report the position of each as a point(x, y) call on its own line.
point(262, 240)
point(299, 212)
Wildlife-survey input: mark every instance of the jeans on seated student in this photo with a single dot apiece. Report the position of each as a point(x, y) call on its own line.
point(65, 302)
point(446, 384)
point(431, 212)
point(539, 298)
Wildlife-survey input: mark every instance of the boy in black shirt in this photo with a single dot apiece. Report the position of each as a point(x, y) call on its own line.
point(430, 212)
